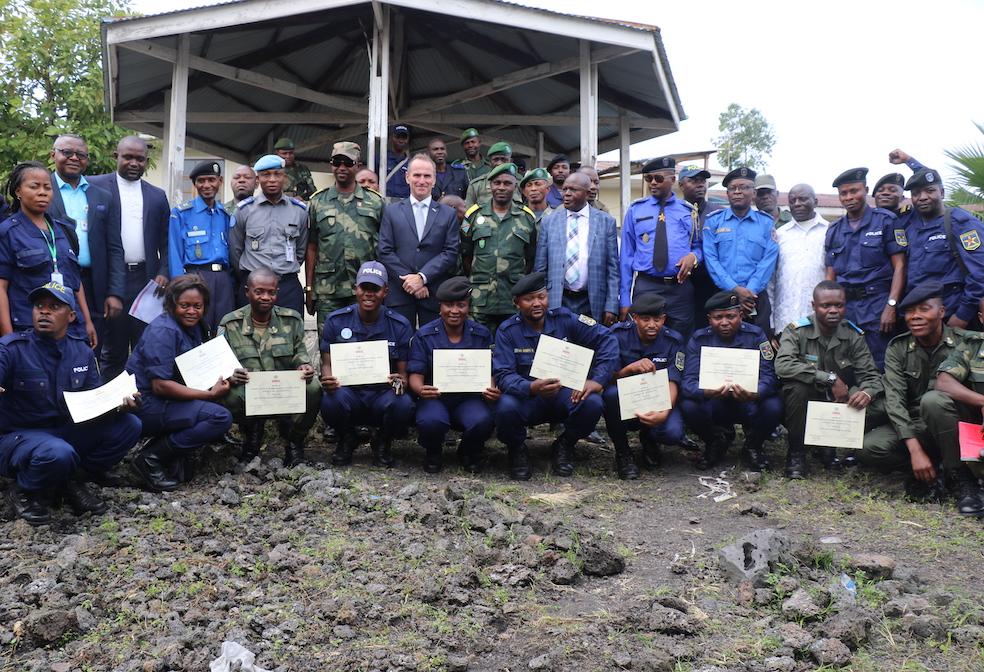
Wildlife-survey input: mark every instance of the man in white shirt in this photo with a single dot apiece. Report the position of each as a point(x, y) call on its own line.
point(801, 261)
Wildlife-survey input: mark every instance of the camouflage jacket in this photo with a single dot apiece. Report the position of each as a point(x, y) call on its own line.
point(966, 360)
point(280, 347)
point(910, 372)
point(501, 250)
point(299, 181)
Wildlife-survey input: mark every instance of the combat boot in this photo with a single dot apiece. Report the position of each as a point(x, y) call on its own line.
point(252, 431)
point(563, 455)
point(344, 448)
point(827, 456)
point(519, 463)
point(966, 491)
point(796, 464)
point(30, 506)
point(652, 456)
point(433, 459)
point(152, 463)
point(294, 452)
point(382, 449)
point(469, 457)
point(753, 454)
point(82, 499)
point(716, 444)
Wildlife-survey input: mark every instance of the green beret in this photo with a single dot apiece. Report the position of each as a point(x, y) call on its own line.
point(650, 303)
point(532, 282)
point(284, 143)
point(469, 133)
point(499, 148)
point(457, 288)
point(722, 301)
point(500, 169)
point(535, 174)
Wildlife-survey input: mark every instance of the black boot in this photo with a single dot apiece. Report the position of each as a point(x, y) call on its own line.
point(152, 463)
point(652, 456)
point(625, 465)
point(433, 459)
point(966, 491)
point(294, 452)
point(82, 499)
point(470, 457)
point(30, 505)
point(796, 464)
point(285, 426)
point(827, 456)
point(563, 455)
point(344, 448)
point(519, 463)
point(382, 450)
point(753, 456)
point(716, 446)
point(252, 431)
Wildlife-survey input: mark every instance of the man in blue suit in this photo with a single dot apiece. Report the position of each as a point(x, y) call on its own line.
point(578, 250)
point(139, 213)
point(418, 245)
point(87, 208)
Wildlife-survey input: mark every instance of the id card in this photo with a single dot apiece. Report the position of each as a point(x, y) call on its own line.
point(58, 277)
point(289, 251)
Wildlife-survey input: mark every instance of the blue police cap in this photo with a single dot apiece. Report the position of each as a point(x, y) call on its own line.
point(268, 162)
point(722, 301)
point(923, 178)
point(532, 282)
point(457, 288)
point(891, 178)
point(924, 290)
point(740, 173)
point(851, 176)
point(372, 272)
point(695, 172)
point(661, 163)
point(57, 290)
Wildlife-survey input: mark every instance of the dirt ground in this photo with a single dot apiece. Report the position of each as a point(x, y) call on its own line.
point(373, 569)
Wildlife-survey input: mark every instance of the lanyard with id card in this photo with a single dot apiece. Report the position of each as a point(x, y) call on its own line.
point(53, 249)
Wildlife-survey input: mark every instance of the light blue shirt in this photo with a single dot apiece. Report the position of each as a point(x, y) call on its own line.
point(740, 251)
point(77, 207)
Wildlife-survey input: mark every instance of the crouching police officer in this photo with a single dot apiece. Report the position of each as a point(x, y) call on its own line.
point(759, 411)
point(39, 444)
point(437, 412)
point(525, 401)
point(268, 337)
point(645, 345)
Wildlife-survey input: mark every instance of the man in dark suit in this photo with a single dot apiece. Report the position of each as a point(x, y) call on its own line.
point(87, 208)
point(139, 217)
point(578, 250)
point(418, 244)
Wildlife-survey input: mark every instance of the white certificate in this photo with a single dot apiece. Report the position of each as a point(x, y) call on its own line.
point(643, 393)
point(147, 305)
point(90, 404)
point(275, 393)
point(728, 366)
point(361, 363)
point(833, 425)
point(202, 367)
point(462, 370)
point(567, 362)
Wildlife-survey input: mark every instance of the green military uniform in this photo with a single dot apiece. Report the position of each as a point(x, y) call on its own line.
point(502, 250)
point(346, 230)
point(299, 181)
point(966, 364)
point(479, 192)
point(475, 168)
point(803, 364)
point(785, 217)
point(912, 403)
point(279, 346)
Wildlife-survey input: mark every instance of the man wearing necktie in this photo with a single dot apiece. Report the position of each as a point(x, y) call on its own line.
point(418, 245)
point(661, 247)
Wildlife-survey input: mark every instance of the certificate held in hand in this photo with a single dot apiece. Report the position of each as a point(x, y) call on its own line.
point(834, 425)
point(361, 363)
point(567, 362)
point(644, 393)
point(728, 366)
point(462, 370)
point(90, 404)
point(202, 367)
point(275, 393)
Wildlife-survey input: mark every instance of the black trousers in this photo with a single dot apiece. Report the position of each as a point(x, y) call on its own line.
point(417, 313)
point(121, 333)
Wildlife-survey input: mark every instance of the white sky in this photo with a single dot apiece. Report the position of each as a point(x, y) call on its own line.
point(843, 82)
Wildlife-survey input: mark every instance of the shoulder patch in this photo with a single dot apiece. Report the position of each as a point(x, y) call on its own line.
point(247, 201)
point(681, 358)
point(529, 212)
point(854, 326)
point(904, 208)
point(767, 352)
point(587, 319)
point(970, 240)
point(900, 238)
point(470, 211)
point(802, 322)
point(186, 205)
point(299, 203)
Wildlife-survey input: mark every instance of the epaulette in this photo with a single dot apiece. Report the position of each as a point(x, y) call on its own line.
point(640, 200)
point(14, 336)
point(673, 335)
point(284, 311)
point(587, 319)
point(372, 191)
point(249, 200)
point(968, 335)
point(904, 335)
point(298, 202)
point(854, 326)
point(904, 208)
point(187, 205)
point(237, 314)
point(458, 164)
point(529, 212)
point(320, 190)
point(802, 322)
point(470, 211)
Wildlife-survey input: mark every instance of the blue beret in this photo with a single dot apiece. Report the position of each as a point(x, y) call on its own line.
point(268, 162)
point(722, 301)
point(851, 176)
point(923, 178)
point(559, 158)
point(921, 292)
point(740, 173)
point(532, 282)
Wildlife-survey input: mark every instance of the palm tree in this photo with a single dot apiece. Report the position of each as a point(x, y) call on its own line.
point(968, 188)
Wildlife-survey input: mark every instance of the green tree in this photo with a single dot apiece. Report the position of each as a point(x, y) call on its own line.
point(968, 188)
point(746, 138)
point(51, 79)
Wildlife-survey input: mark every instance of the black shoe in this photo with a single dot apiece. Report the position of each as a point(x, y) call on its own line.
point(433, 460)
point(652, 456)
point(382, 451)
point(714, 452)
point(596, 439)
point(966, 491)
point(29, 505)
point(82, 500)
point(330, 435)
point(344, 448)
point(519, 463)
point(294, 453)
point(106, 479)
point(563, 455)
point(252, 431)
point(625, 466)
point(285, 426)
point(231, 439)
point(688, 443)
point(923, 493)
point(796, 465)
point(469, 458)
point(753, 457)
point(827, 456)
point(151, 466)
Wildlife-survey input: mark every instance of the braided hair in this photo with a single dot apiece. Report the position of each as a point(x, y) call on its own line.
point(17, 177)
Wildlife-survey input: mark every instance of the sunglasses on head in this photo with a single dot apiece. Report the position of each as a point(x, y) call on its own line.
point(342, 161)
point(654, 177)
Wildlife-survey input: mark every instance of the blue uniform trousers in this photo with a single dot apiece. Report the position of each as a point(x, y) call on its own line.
point(866, 313)
point(469, 414)
point(348, 407)
point(514, 414)
point(188, 424)
point(759, 418)
point(670, 432)
point(44, 458)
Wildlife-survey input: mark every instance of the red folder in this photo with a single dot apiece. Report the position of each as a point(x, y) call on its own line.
point(971, 442)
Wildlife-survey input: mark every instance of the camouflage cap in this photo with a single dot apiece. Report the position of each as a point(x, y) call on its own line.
point(350, 150)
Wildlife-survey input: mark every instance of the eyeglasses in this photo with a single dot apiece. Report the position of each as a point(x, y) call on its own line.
point(342, 161)
point(654, 177)
point(739, 188)
point(69, 153)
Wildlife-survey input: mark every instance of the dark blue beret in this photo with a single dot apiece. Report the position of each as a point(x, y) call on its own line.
point(851, 176)
point(661, 163)
point(891, 178)
point(650, 303)
point(722, 301)
point(457, 288)
point(533, 282)
point(740, 173)
point(923, 178)
point(924, 290)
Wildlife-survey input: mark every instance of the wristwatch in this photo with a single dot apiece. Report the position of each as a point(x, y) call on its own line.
point(893, 303)
point(831, 378)
point(308, 288)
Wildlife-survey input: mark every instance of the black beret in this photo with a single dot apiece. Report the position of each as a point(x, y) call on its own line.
point(891, 178)
point(205, 168)
point(722, 301)
point(454, 289)
point(851, 176)
point(650, 303)
point(560, 158)
point(661, 163)
point(924, 290)
point(532, 282)
point(923, 178)
point(740, 173)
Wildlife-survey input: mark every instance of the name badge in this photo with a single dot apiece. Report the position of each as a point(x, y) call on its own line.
point(195, 234)
point(289, 251)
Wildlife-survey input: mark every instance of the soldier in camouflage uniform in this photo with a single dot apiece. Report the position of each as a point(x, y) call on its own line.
point(267, 337)
point(300, 184)
point(498, 242)
point(473, 162)
point(344, 231)
point(478, 189)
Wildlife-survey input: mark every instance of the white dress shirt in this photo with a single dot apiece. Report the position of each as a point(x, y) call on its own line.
point(420, 209)
point(798, 270)
point(583, 224)
point(131, 219)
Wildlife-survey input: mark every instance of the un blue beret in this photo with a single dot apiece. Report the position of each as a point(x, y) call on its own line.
point(268, 162)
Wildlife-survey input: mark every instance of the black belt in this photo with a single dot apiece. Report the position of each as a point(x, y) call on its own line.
point(206, 267)
point(133, 266)
point(950, 287)
point(575, 294)
point(855, 292)
point(671, 280)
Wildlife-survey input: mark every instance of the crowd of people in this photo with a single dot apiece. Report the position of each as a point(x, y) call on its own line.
point(880, 310)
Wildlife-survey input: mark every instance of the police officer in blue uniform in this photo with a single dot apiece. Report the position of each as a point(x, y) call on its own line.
point(888, 194)
point(180, 419)
point(945, 247)
point(386, 405)
point(397, 162)
point(740, 248)
point(198, 240)
point(645, 345)
point(525, 401)
point(759, 411)
point(865, 253)
point(39, 444)
point(660, 247)
point(437, 412)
